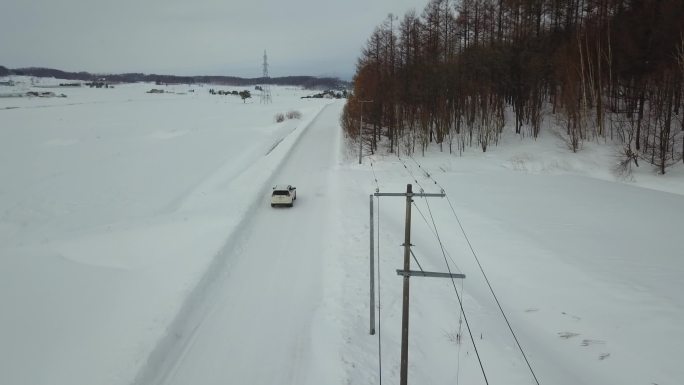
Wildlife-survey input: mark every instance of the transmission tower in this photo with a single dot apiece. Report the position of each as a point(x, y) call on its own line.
point(266, 88)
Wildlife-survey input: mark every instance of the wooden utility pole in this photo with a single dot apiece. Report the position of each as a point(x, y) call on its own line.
point(407, 273)
point(405, 304)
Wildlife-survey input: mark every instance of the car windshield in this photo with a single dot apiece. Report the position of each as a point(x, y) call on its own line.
point(281, 192)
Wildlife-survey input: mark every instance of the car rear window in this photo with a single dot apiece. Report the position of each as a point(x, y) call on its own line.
point(281, 192)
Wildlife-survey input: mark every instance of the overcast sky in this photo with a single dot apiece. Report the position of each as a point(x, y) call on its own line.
point(192, 37)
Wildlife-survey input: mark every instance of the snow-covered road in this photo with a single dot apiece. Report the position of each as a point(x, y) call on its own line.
point(259, 314)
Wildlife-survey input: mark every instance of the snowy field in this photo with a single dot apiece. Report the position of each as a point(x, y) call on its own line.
point(137, 246)
point(113, 205)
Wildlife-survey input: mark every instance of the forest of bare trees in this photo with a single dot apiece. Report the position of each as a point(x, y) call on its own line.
point(458, 73)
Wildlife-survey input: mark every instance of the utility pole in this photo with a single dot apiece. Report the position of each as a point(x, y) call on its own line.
point(361, 128)
point(372, 272)
point(407, 273)
point(405, 305)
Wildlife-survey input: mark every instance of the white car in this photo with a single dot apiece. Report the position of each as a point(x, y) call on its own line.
point(283, 195)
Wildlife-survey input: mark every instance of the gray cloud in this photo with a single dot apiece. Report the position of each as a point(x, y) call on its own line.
point(192, 37)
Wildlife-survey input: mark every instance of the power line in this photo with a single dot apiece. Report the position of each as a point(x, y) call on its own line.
point(472, 339)
point(406, 273)
point(433, 233)
point(458, 341)
point(409, 171)
point(491, 289)
point(477, 353)
point(515, 337)
point(377, 186)
point(429, 176)
point(445, 253)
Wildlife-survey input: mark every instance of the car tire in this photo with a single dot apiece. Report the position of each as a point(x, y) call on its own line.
point(272, 205)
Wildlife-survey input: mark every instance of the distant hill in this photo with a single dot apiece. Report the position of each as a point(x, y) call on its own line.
point(310, 82)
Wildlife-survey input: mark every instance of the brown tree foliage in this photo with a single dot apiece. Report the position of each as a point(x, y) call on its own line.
point(608, 70)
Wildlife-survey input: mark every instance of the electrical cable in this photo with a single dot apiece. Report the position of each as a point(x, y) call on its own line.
point(409, 171)
point(377, 186)
point(470, 333)
point(491, 289)
point(427, 174)
point(472, 250)
point(460, 302)
point(458, 341)
point(515, 337)
point(453, 282)
point(433, 233)
point(460, 315)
